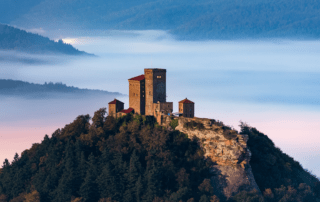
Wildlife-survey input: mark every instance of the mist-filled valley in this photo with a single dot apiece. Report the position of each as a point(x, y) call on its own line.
point(272, 85)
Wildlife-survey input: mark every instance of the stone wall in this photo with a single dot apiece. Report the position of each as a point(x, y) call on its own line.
point(229, 151)
point(112, 110)
point(137, 96)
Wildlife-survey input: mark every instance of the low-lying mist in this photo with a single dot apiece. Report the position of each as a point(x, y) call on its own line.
point(272, 85)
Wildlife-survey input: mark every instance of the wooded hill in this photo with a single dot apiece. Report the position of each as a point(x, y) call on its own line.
point(201, 19)
point(133, 159)
point(17, 88)
point(19, 40)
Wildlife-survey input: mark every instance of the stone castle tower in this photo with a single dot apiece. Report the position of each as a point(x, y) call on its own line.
point(115, 106)
point(186, 108)
point(155, 85)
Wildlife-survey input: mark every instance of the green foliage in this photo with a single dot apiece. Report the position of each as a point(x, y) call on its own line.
point(124, 159)
point(229, 134)
point(194, 125)
point(271, 167)
point(302, 193)
point(174, 123)
point(245, 196)
point(276, 172)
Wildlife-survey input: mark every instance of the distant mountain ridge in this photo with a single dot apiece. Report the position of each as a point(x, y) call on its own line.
point(202, 19)
point(19, 40)
point(10, 87)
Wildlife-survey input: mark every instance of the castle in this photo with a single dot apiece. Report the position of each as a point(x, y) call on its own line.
point(147, 96)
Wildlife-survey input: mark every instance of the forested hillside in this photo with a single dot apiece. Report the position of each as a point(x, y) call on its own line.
point(19, 40)
point(10, 87)
point(202, 19)
point(133, 159)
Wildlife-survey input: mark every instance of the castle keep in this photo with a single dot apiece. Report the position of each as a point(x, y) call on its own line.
point(147, 96)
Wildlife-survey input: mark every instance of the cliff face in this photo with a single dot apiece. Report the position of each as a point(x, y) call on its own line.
point(228, 150)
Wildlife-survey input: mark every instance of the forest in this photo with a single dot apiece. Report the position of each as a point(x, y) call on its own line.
point(191, 20)
point(19, 40)
point(132, 158)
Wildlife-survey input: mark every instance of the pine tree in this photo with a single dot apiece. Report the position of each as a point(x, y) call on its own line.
point(138, 189)
point(67, 186)
point(89, 188)
point(152, 184)
point(132, 177)
point(106, 183)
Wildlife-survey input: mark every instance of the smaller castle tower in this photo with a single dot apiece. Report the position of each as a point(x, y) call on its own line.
point(186, 108)
point(114, 107)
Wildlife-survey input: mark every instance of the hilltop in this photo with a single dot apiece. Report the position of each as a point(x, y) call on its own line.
point(132, 158)
point(202, 19)
point(19, 40)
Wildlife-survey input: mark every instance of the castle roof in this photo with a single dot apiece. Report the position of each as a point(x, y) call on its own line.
point(115, 101)
point(186, 101)
point(127, 111)
point(138, 78)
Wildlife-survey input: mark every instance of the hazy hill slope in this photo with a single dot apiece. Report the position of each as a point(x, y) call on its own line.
point(272, 168)
point(10, 87)
point(16, 39)
point(202, 19)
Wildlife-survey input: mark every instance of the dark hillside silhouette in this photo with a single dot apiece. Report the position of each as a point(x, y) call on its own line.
point(10, 87)
point(19, 40)
point(203, 19)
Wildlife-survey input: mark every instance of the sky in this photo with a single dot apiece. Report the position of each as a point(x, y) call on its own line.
point(272, 85)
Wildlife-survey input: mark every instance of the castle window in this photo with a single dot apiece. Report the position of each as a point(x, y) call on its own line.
point(158, 77)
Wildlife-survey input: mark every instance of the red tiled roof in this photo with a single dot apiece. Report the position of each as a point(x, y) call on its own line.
point(127, 111)
point(186, 101)
point(114, 101)
point(138, 78)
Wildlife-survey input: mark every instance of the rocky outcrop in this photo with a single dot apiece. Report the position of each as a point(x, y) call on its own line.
point(229, 152)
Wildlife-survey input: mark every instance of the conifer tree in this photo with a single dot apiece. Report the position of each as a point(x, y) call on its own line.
point(89, 188)
point(106, 182)
point(132, 177)
point(138, 189)
point(152, 184)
